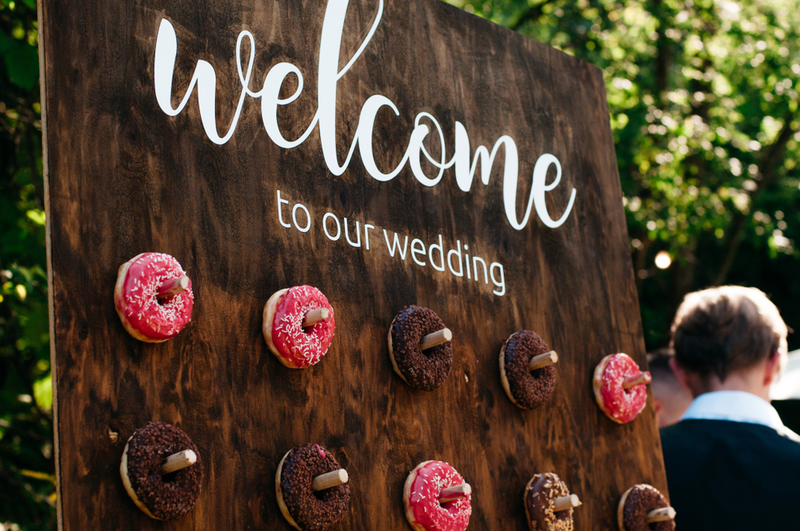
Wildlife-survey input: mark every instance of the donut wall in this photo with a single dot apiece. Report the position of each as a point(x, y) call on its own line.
point(438, 193)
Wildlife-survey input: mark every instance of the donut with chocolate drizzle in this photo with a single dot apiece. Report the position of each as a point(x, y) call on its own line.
point(540, 494)
point(527, 389)
point(426, 370)
point(300, 505)
point(162, 497)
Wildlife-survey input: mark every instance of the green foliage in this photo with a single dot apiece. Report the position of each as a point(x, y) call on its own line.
point(26, 427)
point(704, 111)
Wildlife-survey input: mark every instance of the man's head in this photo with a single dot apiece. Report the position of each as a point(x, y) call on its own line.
point(729, 337)
point(670, 398)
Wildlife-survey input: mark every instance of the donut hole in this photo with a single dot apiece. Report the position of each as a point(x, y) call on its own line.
point(435, 352)
point(163, 300)
point(174, 476)
point(310, 328)
point(661, 526)
point(321, 494)
point(171, 477)
point(630, 391)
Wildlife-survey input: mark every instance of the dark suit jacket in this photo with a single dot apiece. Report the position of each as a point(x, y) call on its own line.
point(732, 475)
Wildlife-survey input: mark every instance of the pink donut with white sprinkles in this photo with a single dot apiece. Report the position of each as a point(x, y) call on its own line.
point(620, 404)
point(422, 493)
point(153, 297)
point(297, 343)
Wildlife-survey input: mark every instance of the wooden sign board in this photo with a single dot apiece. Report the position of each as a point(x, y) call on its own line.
point(345, 162)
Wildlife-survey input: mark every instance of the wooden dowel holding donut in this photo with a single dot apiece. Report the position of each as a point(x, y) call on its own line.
point(637, 379)
point(543, 360)
point(315, 316)
point(454, 493)
point(660, 515)
point(173, 286)
point(178, 461)
point(330, 480)
point(566, 502)
point(435, 339)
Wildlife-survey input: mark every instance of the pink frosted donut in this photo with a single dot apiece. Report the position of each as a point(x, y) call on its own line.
point(421, 499)
point(295, 346)
point(144, 315)
point(620, 404)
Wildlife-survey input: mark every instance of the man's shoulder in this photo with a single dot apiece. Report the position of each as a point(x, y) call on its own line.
point(693, 434)
point(703, 456)
point(692, 429)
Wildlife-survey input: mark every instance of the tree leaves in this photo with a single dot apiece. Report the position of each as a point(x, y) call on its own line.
point(704, 111)
point(26, 425)
point(22, 64)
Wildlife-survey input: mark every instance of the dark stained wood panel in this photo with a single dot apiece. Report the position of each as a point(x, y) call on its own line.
point(125, 178)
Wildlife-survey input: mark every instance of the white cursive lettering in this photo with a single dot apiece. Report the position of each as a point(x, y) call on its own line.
point(465, 164)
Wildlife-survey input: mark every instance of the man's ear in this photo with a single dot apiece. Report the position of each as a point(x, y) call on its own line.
point(771, 368)
point(658, 406)
point(680, 374)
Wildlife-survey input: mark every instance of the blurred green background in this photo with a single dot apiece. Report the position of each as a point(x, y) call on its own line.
point(704, 110)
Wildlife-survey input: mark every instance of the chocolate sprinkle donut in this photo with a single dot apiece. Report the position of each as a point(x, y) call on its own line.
point(309, 510)
point(540, 494)
point(164, 497)
point(634, 506)
point(421, 370)
point(527, 389)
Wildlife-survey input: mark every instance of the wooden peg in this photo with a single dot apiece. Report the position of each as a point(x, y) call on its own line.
point(173, 286)
point(566, 502)
point(315, 316)
point(660, 515)
point(543, 360)
point(454, 493)
point(435, 339)
point(637, 379)
point(178, 461)
point(113, 435)
point(330, 480)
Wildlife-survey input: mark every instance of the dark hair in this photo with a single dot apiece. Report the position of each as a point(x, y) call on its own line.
point(726, 329)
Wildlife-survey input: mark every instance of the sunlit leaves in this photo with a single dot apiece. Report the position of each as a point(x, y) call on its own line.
point(701, 95)
point(27, 488)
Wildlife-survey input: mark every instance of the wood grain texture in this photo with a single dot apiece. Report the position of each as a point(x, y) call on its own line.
point(124, 178)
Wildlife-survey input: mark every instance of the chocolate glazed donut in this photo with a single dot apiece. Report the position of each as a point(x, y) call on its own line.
point(527, 389)
point(421, 370)
point(634, 506)
point(163, 497)
point(301, 506)
point(540, 493)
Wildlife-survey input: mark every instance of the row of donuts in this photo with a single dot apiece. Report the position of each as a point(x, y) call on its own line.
point(162, 473)
point(154, 299)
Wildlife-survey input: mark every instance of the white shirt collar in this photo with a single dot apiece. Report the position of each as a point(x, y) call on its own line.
point(735, 406)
